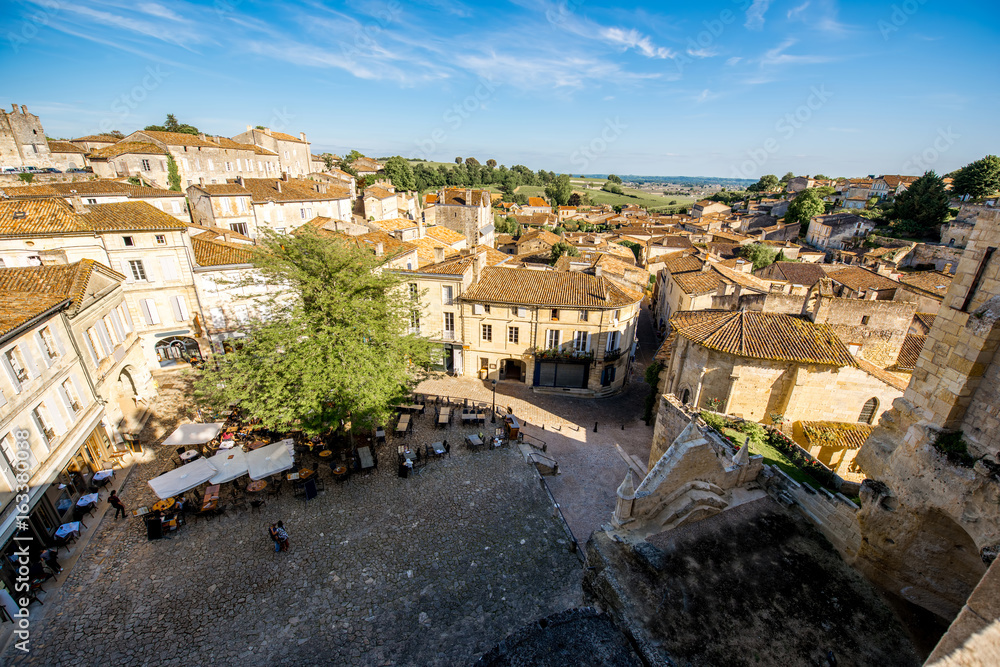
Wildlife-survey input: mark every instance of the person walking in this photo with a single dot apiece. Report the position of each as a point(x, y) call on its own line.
point(117, 503)
point(282, 536)
point(273, 532)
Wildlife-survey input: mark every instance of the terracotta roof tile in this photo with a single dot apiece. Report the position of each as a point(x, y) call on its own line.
point(42, 216)
point(223, 189)
point(764, 336)
point(65, 147)
point(537, 201)
point(83, 188)
point(909, 352)
point(927, 319)
point(836, 434)
point(464, 197)
point(861, 280)
point(294, 189)
point(378, 192)
point(66, 281)
point(18, 308)
point(931, 282)
point(881, 374)
point(395, 224)
point(124, 147)
point(699, 282)
point(177, 138)
point(129, 215)
point(212, 252)
point(94, 138)
point(572, 289)
point(682, 263)
point(444, 235)
point(800, 273)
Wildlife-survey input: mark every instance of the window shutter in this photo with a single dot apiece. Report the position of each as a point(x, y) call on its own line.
point(57, 337)
point(29, 359)
point(67, 403)
point(180, 312)
point(81, 393)
point(41, 348)
point(168, 268)
point(522, 312)
point(88, 339)
point(103, 337)
point(3, 399)
point(116, 324)
point(128, 317)
point(149, 312)
point(477, 309)
point(60, 420)
point(38, 424)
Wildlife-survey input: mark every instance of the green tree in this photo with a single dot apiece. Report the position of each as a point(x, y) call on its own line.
point(328, 161)
point(612, 188)
point(26, 177)
point(807, 204)
point(171, 125)
point(458, 160)
point(923, 206)
point(761, 255)
point(765, 184)
point(491, 163)
point(978, 179)
point(335, 347)
point(173, 174)
point(634, 247)
point(400, 173)
point(559, 190)
point(787, 177)
point(614, 179)
point(352, 156)
point(561, 248)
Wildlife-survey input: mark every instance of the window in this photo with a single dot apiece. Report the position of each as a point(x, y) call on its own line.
point(49, 346)
point(15, 366)
point(128, 241)
point(486, 308)
point(583, 316)
point(145, 165)
point(149, 312)
point(103, 338)
point(615, 315)
point(229, 166)
point(8, 447)
point(70, 398)
point(239, 227)
point(581, 341)
point(138, 270)
point(41, 418)
point(176, 206)
point(552, 339)
point(161, 239)
point(413, 291)
point(241, 204)
point(449, 326)
point(302, 213)
point(91, 200)
point(608, 375)
point(865, 318)
point(168, 268)
point(211, 166)
point(613, 338)
point(180, 308)
point(487, 333)
point(414, 322)
point(279, 215)
point(447, 295)
point(555, 314)
point(868, 411)
point(126, 318)
point(513, 334)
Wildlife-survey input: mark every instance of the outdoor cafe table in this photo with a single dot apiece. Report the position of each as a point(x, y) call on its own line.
point(445, 416)
point(211, 500)
point(103, 475)
point(68, 530)
point(339, 470)
point(438, 448)
point(474, 440)
point(404, 424)
point(468, 416)
point(255, 487)
point(164, 505)
point(87, 500)
point(302, 474)
point(365, 455)
point(407, 454)
point(190, 455)
point(325, 453)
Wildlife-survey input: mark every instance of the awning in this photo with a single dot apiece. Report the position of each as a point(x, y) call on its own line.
point(194, 434)
point(182, 479)
point(268, 460)
point(231, 463)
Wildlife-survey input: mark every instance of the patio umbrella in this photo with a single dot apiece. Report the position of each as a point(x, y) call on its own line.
point(268, 460)
point(182, 479)
point(194, 434)
point(231, 463)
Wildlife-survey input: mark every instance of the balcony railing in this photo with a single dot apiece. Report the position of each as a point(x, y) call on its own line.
point(448, 335)
point(563, 355)
point(613, 355)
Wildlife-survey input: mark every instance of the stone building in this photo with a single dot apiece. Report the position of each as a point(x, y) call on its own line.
point(150, 248)
point(708, 207)
point(225, 205)
point(22, 139)
point(61, 408)
point(466, 211)
point(66, 155)
point(379, 203)
point(103, 191)
point(754, 364)
point(141, 159)
point(926, 288)
point(294, 153)
point(931, 521)
point(837, 230)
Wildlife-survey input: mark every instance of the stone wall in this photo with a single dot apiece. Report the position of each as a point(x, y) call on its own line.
point(878, 327)
point(943, 258)
point(671, 419)
point(835, 515)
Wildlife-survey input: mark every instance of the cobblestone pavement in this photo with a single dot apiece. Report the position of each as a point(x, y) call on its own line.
point(431, 570)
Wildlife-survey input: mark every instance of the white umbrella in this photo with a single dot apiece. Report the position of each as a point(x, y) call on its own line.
point(182, 479)
point(268, 460)
point(194, 434)
point(231, 463)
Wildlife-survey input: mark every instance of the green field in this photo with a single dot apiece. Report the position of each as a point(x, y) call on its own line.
point(432, 165)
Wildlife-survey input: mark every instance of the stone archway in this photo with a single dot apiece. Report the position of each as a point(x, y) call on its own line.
point(176, 349)
point(513, 369)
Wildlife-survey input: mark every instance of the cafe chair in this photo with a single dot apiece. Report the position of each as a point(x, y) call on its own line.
point(255, 505)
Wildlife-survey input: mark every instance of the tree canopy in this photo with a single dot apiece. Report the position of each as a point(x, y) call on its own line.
point(766, 183)
point(923, 206)
point(171, 125)
point(760, 255)
point(614, 179)
point(559, 190)
point(400, 173)
point(561, 248)
point(334, 347)
point(634, 247)
point(807, 204)
point(978, 179)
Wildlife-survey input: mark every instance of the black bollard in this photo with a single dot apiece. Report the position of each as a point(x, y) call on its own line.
point(595, 427)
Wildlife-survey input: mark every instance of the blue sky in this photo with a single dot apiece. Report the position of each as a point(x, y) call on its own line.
point(729, 88)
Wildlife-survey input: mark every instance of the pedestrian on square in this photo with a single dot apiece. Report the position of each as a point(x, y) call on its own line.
point(273, 532)
point(117, 503)
point(282, 536)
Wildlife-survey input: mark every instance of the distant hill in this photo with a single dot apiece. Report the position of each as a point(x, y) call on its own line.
point(690, 181)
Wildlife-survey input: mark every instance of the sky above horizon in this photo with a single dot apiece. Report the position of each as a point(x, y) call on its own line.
point(735, 88)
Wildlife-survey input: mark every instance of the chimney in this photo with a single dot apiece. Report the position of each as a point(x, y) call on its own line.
point(379, 249)
point(284, 176)
point(302, 136)
point(201, 180)
point(477, 266)
point(277, 184)
point(13, 108)
point(249, 128)
point(947, 268)
point(239, 180)
point(201, 135)
point(78, 206)
point(598, 271)
point(438, 254)
point(267, 131)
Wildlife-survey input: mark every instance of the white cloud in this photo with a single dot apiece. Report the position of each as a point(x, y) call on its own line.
point(633, 39)
point(702, 53)
point(795, 12)
point(732, 61)
point(777, 56)
point(755, 14)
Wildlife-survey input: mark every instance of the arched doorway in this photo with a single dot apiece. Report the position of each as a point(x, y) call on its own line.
point(177, 349)
point(512, 369)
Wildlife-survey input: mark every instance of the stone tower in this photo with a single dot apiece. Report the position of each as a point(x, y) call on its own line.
point(931, 523)
point(22, 139)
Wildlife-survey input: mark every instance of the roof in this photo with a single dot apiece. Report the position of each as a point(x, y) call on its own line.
point(83, 188)
point(378, 192)
point(840, 219)
point(543, 235)
point(909, 352)
point(537, 201)
point(836, 434)
point(212, 252)
point(430, 198)
point(425, 249)
point(130, 215)
point(464, 197)
point(699, 282)
point(443, 234)
point(926, 319)
point(178, 139)
point(682, 263)
point(281, 136)
point(881, 374)
point(94, 138)
point(65, 281)
point(226, 142)
point(123, 147)
point(759, 335)
point(391, 246)
point(935, 283)
point(223, 189)
point(294, 189)
point(800, 273)
point(570, 289)
point(395, 224)
point(64, 147)
point(861, 280)
point(455, 266)
point(56, 216)
point(674, 241)
point(18, 308)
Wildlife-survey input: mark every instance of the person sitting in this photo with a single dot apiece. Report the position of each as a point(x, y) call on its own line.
point(50, 558)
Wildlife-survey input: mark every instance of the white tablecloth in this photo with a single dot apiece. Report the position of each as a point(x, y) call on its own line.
point(87, 499)
point(104, 474)
point(67, 529)
point(189, 455)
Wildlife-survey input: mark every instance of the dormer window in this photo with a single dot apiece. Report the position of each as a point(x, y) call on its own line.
point(128, 241)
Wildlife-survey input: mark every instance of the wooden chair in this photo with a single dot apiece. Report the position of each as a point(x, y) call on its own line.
point(255, 505)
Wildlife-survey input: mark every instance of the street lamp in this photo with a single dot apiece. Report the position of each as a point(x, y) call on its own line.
point(494, 420)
